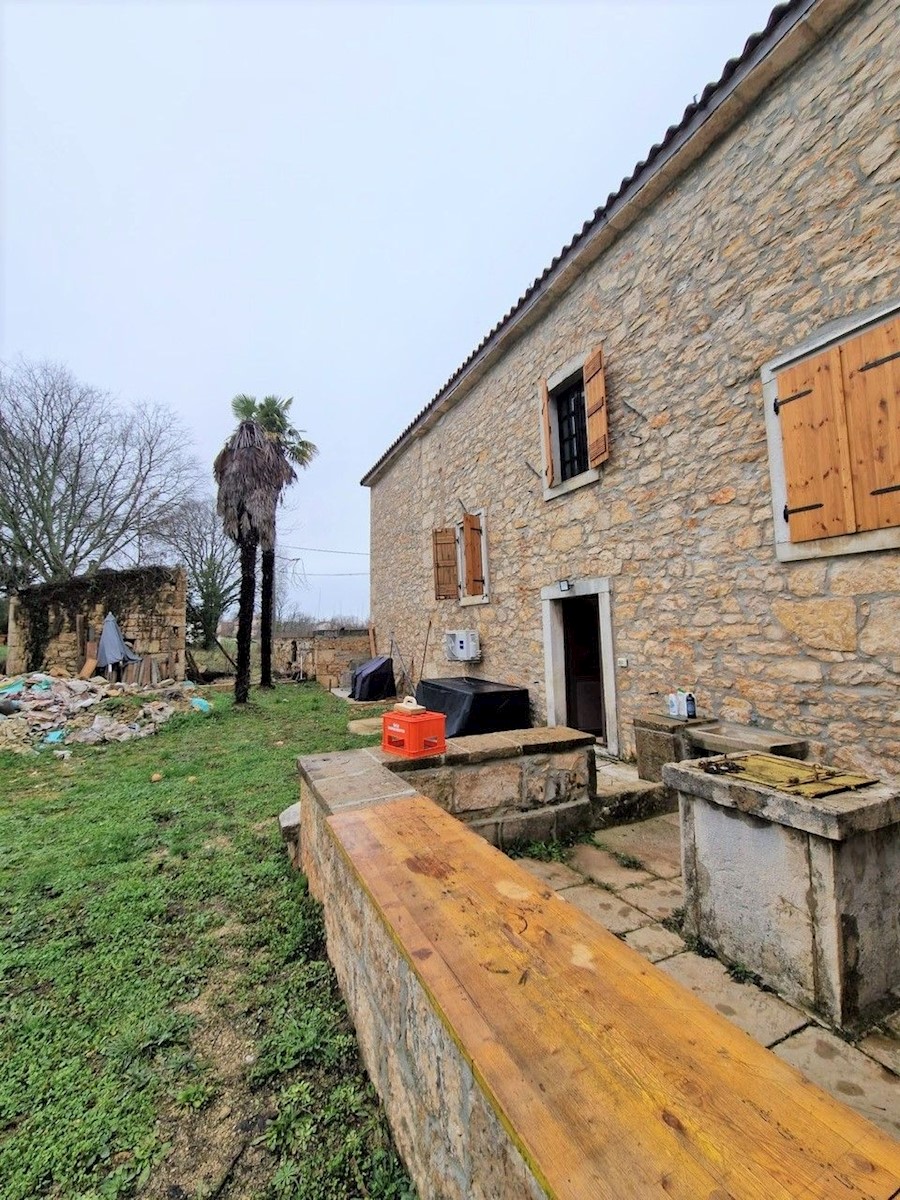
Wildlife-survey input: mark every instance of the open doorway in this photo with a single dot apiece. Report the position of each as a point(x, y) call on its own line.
point(584, 672)
point(578, 658)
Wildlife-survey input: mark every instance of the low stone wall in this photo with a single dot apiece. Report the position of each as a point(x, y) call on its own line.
point(523, 785)
point(450, 1137)
point(327, 659)
point(520, 1050)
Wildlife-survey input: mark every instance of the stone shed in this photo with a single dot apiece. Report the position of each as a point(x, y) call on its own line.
point(679, 452)
point(53, 625)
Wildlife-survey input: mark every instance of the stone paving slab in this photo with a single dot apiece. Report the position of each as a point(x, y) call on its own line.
point(848, 1074)
point(659, 898)
point(655, 842)
point(655, 942)
point(884, 1048)
point(606, 907)
point(759, 1013)
point(600, 866)
point(365, 725)
point(554, 874)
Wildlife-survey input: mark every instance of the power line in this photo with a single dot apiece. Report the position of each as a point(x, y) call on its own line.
point(334, 574)
point(319, 550)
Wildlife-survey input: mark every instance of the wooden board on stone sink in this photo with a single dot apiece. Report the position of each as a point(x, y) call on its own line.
point(787, 774)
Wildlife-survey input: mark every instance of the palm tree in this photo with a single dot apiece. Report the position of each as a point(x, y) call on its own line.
point(272, 414)
point(251, 473)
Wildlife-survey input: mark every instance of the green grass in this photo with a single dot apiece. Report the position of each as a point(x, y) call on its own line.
point(140, 920)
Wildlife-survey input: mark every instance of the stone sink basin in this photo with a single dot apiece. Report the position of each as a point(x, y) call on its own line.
point(727, 737)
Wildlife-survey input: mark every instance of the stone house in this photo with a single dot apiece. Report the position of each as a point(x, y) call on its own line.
point(606, 490)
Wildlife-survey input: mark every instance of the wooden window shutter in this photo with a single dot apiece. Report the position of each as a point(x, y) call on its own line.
point(595, 409)
point(473, 555)
point(547, 432)
point(871, 378)
point(815, 447)
point(443, 545)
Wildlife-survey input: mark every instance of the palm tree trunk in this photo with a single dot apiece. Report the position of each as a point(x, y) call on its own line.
point(245, 620)
point(265, 623)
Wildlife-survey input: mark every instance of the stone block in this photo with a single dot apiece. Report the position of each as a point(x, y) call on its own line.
point(488, 787)
point(538, 825)
point(572, 818)
point(437, 784)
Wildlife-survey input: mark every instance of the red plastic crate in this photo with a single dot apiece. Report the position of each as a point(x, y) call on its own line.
point(413, 735)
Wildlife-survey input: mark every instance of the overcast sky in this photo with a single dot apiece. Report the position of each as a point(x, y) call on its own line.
point(330, 201)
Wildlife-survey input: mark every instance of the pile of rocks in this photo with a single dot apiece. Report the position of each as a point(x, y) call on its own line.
point(41, 709)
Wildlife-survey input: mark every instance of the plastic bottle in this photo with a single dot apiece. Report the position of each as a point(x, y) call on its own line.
point(681, 702)
point(690, 704)
point(672, 704)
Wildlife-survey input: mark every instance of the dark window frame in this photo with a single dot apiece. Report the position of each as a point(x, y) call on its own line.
point(571, 427)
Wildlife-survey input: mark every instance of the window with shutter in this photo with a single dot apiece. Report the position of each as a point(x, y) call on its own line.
point(595, 410)
point(814, 444)
point(473, 555)
point(871, 379)
point(574, 423)
point(446, 584)
point(833, 424)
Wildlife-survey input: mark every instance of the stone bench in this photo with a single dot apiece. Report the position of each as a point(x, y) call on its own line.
point(522, 1051)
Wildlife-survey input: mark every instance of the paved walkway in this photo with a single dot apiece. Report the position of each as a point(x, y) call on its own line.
point(630, 881)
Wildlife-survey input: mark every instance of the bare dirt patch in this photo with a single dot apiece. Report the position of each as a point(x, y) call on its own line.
point(214, 1130)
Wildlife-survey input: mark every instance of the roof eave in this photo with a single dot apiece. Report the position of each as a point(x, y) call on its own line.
point(801, 28)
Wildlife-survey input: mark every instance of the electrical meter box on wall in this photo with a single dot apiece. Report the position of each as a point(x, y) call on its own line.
point(462, 645)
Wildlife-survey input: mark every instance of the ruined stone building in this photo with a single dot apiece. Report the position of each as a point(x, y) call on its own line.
point(676, 460)
point(53, 626)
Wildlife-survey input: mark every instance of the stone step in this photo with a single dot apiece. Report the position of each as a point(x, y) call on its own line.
point(619, 796)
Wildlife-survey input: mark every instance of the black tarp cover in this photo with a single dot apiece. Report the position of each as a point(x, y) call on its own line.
point(374, 680)
point(475, 705)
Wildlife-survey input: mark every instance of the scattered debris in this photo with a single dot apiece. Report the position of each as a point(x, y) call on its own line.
point(45, 710)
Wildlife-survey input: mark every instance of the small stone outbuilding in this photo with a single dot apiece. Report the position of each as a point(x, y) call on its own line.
point(679, 452)
point(53, 625)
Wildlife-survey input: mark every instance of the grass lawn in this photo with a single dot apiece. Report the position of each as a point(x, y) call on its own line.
point(169, 1023)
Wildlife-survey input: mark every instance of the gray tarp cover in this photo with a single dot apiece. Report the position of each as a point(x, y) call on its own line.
point(112, 648)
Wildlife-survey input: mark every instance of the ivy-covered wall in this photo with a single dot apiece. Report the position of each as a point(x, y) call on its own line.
point(49, 623)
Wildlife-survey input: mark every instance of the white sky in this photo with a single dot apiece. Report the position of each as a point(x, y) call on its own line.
point(330, 201)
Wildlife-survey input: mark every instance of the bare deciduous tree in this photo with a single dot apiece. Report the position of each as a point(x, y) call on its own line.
point(83, 480)
point(193, 536)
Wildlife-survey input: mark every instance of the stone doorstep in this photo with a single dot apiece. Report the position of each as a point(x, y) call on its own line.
point(552, 822)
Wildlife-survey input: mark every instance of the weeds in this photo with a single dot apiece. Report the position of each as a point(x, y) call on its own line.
point(624, 860)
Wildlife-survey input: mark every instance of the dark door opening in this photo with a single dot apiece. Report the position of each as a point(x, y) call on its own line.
point(584, 674)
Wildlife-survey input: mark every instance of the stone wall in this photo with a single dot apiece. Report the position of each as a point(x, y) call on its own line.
point(149, 604)
point(787, 223)
point(329, 659)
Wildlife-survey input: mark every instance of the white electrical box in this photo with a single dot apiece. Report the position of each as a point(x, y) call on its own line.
point(462, 645)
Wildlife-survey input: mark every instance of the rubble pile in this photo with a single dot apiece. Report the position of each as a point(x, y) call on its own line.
point(40, 709)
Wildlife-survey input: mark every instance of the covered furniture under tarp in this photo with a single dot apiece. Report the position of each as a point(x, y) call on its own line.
point(374, 680)
point(475, 705)
point(113, 650)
